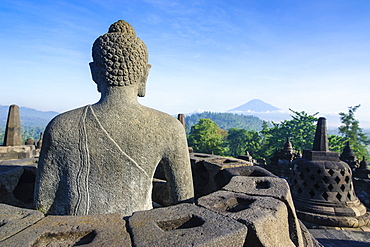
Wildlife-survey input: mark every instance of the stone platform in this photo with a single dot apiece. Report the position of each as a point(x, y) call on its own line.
point(342, 236)
point(248, 207)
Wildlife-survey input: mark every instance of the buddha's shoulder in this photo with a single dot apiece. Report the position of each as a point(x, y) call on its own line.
point(160, 116)
point(66, 120)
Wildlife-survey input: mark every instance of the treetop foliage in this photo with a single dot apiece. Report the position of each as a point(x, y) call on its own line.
point(300, 130)
point(226, 120)
point(205, 137)
point(351, 131)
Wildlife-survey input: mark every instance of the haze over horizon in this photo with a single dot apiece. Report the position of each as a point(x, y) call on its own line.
point(309, 56)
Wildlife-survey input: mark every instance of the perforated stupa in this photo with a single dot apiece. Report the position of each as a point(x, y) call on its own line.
point(322, 188)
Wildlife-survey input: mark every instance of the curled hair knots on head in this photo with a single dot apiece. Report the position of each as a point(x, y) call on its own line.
point(120, 56)
point(122, 27)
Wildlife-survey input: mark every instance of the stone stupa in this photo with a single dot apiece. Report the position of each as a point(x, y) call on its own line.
point(322, 187)
point(349, 157)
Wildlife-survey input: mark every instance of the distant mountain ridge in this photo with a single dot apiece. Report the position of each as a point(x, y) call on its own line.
point(255, 105)
point(29, 116)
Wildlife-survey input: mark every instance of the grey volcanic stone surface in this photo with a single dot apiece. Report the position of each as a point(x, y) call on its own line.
point(208, 171)
point(262, 186)
point(250, 171)
point(13, 133)
point(101, 158)
point(340, 238)
point(273, 187)
point(17, 178)
point(266, 217)
point(87, 230)
point(14, 220)
point(185, 225)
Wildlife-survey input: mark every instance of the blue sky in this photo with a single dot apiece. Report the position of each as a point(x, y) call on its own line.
point(213, 55)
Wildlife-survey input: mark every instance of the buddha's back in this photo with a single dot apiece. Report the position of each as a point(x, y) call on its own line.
point(101, 158)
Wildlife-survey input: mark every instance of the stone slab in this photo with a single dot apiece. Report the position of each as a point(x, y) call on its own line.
point(88, 230)
point(339, 221)
point(308, 238)
point(263, 186)
point(200, 157)
point(14, 220)
point(17, 152)
point(28, 162)
point(266, 217)
point(185, 225)
point(339, 238)
point(250, 171)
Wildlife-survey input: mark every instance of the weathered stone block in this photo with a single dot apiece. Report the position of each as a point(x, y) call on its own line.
point(273, 187)
point(90, 230)
point(200, 157)
point(215, 166)
point(250, 171)
point(17, 152)
point(262, 186)
point(14, 220)
point(17, 179)
point(266, 217)
point(185, 225)
point(207, 172)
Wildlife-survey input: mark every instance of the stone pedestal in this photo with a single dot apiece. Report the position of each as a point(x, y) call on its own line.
point(17, 152)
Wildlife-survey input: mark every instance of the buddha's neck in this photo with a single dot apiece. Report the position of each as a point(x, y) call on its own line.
point(117, 96)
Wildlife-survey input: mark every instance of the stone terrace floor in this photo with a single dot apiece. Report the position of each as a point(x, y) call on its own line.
point(340, 236)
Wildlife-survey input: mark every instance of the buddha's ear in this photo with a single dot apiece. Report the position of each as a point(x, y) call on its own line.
point(142, 83)
point(93, 71)
point(94, 75)
point(142, 90)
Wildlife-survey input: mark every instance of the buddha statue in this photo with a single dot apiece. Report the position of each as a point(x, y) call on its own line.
point(101, 158)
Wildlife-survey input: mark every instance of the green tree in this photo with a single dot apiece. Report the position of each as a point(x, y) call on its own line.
point(300, 129)
point(236, 141)
point(31, 132)
point(264, 151)
point(336, 143)
point(240, 140)
point(351, 130)
point(2, 135)
point(205, 137)
point(253, 145)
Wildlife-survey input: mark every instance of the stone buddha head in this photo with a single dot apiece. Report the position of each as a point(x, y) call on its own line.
point(120, 59)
